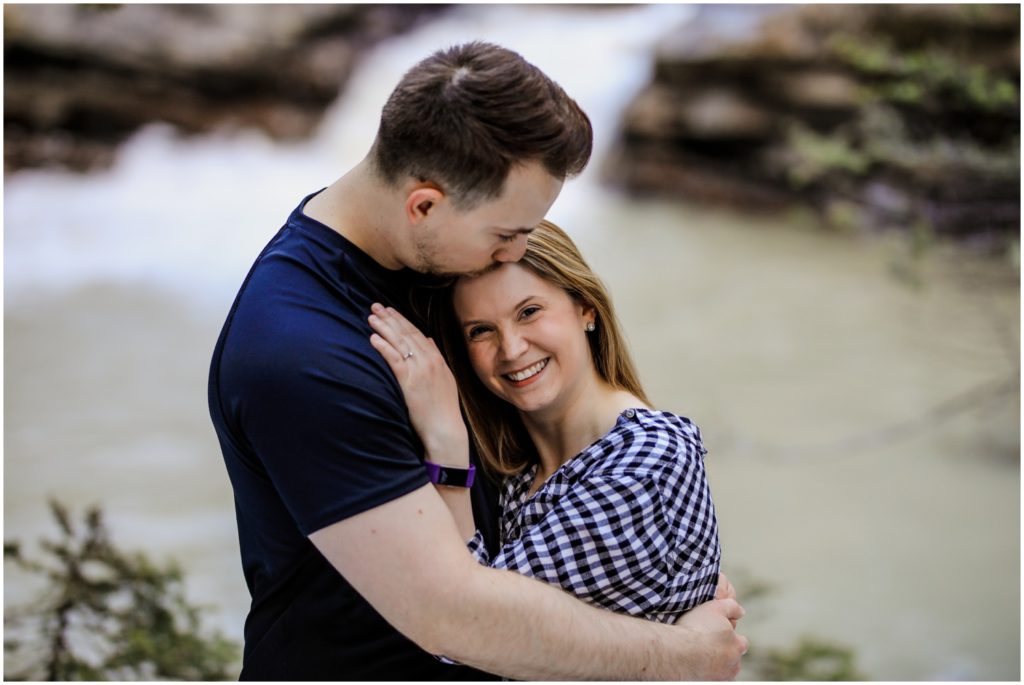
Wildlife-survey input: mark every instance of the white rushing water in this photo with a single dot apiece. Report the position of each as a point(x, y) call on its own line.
point(881, 522)
point(189, 214)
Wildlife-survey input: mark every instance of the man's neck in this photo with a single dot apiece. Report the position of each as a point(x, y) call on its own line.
point(356, 206)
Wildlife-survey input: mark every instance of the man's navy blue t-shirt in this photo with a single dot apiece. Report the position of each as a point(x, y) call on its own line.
point(314, 429)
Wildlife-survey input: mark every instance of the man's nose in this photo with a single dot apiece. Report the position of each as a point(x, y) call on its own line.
point(512, 252)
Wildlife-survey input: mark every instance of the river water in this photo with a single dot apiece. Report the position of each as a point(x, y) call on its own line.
point(860, 400)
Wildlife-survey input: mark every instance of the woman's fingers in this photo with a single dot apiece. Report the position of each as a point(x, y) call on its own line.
point(396, 329)
point(387, 328)
point(386, 350)
point(427, 384)
point(398, 324)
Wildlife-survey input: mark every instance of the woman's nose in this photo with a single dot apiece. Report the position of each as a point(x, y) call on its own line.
point(512, 345)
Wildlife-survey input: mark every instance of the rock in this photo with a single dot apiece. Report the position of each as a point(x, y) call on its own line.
point(691, 178)
point(81, 78)
point(712, 114)
point(911, 112)
point(722, 42)
point(816, 89)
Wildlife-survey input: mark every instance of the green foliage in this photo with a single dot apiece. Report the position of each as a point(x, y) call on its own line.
point(887, 143)
point(106, 614)
point(809, 659)
point(869, 57)
point(924, 76)
point(843, 215)
point(930, 141)
point(877, 138)
point(814, 155)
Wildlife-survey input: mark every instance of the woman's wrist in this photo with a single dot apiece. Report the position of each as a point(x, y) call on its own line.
point(448, 451)
point(450, 476)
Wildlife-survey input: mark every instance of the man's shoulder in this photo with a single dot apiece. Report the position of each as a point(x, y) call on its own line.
point(293, 301)
point(299, 326)
point(281, 336)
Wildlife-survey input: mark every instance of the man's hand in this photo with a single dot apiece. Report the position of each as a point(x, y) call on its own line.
point(713, 625)
point(725, 589)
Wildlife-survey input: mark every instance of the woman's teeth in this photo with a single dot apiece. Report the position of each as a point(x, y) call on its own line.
point(529, 372)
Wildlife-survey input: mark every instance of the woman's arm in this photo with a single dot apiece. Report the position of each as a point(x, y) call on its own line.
point(433, 401)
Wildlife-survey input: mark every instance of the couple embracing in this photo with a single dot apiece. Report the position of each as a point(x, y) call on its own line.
point(443, 462)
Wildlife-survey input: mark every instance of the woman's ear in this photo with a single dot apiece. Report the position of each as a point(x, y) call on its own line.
point(589, 315)
point(421, 201)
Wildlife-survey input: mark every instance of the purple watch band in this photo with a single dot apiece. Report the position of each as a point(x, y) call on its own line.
point(450, 475)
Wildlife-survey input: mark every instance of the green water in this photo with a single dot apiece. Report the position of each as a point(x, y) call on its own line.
point(818, 366)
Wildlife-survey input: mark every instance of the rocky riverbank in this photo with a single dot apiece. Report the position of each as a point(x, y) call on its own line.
point(79, 79)
point(876, 115)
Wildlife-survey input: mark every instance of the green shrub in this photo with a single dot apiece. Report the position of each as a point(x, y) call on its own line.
point(106, 615)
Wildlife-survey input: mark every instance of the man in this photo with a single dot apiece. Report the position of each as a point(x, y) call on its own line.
point(356, 568)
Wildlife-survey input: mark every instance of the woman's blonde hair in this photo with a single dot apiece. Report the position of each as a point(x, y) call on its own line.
point(501, 439)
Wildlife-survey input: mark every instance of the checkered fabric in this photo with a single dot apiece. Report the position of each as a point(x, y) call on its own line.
point(628, 524)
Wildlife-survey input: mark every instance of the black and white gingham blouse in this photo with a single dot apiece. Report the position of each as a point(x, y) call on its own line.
point(627, 524)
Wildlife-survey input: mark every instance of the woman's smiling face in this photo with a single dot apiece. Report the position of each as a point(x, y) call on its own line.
point(526, 337)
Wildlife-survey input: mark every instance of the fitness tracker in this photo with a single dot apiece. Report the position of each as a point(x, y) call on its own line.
point(450, 475)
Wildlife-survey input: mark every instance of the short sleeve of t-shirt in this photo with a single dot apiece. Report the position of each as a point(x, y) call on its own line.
point(318, 406)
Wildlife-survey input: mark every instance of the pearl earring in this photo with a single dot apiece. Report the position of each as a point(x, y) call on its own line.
point(591, 327)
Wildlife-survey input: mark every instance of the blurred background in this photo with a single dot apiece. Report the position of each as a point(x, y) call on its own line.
point(808, 216)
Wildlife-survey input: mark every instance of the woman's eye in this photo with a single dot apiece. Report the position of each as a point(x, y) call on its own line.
point(476, 331)
point(508, 238)
point(529, 311)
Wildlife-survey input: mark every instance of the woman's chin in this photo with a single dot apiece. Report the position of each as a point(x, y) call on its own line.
point(531, 406)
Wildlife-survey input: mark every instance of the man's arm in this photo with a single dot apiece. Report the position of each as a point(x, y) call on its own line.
point(409, 561)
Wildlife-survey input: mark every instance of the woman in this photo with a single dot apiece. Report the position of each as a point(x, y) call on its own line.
point(603, 495)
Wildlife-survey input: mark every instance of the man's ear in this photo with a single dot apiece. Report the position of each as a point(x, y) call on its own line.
point(421, 201)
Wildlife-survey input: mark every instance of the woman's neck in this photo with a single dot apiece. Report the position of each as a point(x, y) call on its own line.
point(560, 434)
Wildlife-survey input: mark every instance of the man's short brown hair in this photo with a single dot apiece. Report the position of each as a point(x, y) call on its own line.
point(464, 116)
